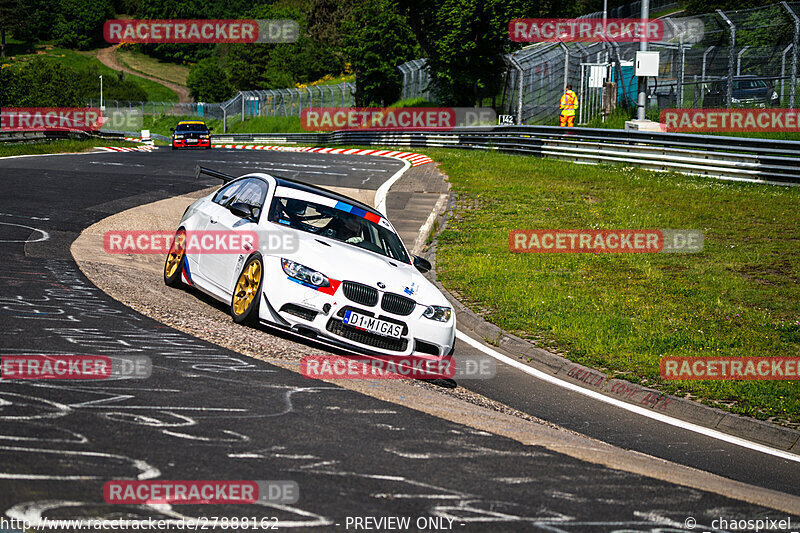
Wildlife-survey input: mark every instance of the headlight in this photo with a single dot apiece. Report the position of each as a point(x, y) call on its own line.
point(774, 96)
point(178, 136)
point(437, 312)
point(735, 100)
point(303, 273)
point(204, 136)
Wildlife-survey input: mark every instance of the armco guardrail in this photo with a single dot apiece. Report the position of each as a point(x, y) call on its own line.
point(47, 136)
point(734, 158)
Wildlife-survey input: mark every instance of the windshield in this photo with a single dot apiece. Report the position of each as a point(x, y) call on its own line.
point(191, 127)
point(337, 224)
point(749, 84)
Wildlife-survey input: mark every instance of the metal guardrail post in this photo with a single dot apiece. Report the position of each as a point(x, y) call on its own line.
point(519, 88)
point(705, 55)
point(795, 44)
point(731, 54)
point(783, 70)
point(566, 63)
point(403, 86)
point(739, 60)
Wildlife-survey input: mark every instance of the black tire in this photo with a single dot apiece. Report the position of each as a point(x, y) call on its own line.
point(246, 297)
point(173, 265)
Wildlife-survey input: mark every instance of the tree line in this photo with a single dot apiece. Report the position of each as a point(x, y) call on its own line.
point(463, 40)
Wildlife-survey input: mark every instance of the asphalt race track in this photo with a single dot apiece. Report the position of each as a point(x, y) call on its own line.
point(209, 413)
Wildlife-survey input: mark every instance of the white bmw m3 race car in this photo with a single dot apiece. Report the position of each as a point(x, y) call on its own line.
point(340, 273)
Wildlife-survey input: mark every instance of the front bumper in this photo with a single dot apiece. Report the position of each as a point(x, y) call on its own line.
point(319, 314)
point(184, 143)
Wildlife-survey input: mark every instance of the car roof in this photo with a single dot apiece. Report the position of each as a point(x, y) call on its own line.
point(191, 122)
point(287, 182)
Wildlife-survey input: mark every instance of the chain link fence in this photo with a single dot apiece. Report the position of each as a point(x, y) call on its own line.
point(248, 104)
point(745, 58)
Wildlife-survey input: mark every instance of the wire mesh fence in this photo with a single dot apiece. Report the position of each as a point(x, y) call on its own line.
point(745, 58)
point(247, 104)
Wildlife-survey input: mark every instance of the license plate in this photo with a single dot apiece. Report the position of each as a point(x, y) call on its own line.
point(375, 325)
point(192, 140)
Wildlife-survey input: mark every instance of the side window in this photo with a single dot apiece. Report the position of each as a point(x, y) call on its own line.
point(227, 192)
point(252, 192)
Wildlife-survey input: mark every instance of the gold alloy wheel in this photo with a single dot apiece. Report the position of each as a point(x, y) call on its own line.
point(246, 287)
point(175, 256)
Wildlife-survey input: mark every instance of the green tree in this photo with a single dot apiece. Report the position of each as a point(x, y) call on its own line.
point(79, 23)
point(378, 39)
point(208, 81)
point(11, 19)
point(463, 41)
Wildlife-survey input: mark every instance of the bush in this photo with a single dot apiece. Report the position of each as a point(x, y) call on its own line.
point(39, 83)
point(208, 81)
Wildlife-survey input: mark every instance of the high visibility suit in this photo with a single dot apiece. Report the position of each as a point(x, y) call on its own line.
point(569, 103)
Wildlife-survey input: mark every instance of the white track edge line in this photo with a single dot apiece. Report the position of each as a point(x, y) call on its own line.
point(383, 190)
point(713, 433)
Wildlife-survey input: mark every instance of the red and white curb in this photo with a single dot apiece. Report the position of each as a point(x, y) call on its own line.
point(415, 159)
point(144, 148)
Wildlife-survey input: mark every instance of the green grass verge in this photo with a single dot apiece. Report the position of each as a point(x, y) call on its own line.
point(161, 124)
point(267, 125)
point(622, 313)
point(58, 147)
point(152, 66)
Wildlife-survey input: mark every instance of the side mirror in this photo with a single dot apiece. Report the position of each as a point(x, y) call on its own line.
point(243, 210)
point(423, 265)
point(172, 130)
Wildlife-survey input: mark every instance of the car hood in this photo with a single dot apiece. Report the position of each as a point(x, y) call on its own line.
point(342, 261)
point(747, 94)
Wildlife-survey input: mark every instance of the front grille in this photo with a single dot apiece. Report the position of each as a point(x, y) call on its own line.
point(399, 305)
point(365, 337)
point(302, 312)
point(362, 294)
